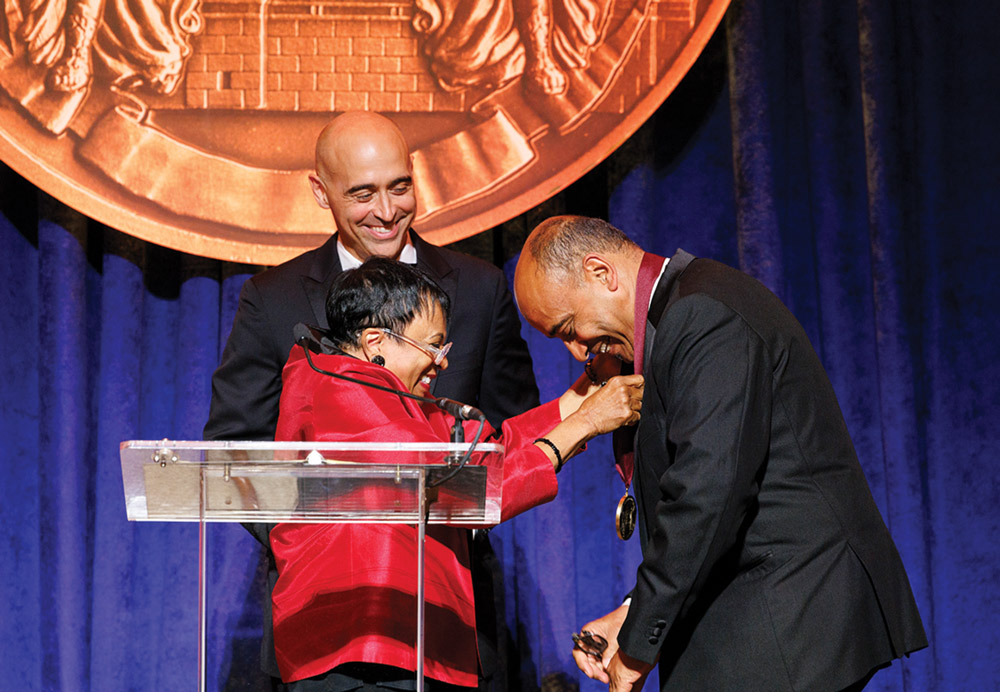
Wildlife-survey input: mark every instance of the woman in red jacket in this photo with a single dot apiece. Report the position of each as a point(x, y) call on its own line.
point(344, 603)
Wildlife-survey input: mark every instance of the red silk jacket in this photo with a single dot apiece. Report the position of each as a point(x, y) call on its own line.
point(347, 592)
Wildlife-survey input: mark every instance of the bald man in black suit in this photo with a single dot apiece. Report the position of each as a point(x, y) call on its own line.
point(766, 565)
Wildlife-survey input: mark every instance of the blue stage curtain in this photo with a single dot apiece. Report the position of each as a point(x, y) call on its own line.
point(846, 154)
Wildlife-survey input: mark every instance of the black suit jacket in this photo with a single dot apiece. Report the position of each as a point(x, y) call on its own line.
point(489, 367)
point(766, 564)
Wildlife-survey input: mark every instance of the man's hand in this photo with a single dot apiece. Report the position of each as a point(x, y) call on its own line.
point(627, 674)
point(606, 627)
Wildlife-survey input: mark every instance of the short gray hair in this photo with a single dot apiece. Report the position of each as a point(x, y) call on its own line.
point(559, 243)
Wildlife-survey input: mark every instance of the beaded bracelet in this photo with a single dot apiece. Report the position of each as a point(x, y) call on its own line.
point(559, 460)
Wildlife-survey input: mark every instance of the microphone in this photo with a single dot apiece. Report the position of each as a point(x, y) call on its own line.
point(313, 338)
point(459, 410)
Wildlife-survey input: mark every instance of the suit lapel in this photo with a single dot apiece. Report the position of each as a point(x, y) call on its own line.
point(324, 269)
point(667, 291)
point(664, 295)
point(432, 261)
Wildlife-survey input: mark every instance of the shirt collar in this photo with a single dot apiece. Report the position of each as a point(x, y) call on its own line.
point(408, 255)
point(657, 282)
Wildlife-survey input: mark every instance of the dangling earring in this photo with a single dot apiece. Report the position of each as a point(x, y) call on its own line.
point(378, 360)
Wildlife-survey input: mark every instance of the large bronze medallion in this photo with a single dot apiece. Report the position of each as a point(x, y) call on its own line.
point(191, 123)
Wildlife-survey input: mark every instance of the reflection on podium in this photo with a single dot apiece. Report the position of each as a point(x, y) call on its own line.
point(312, 482)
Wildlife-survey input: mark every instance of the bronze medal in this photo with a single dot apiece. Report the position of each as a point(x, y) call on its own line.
point(139, 115)
point(625, 517)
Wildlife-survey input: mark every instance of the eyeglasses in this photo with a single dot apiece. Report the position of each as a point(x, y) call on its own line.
point(437, 354)
point(591, 644)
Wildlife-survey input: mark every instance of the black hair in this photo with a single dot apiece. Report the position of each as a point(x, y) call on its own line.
point(380, 293)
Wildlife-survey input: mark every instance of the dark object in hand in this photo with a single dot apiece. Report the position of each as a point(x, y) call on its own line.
point(591, 644)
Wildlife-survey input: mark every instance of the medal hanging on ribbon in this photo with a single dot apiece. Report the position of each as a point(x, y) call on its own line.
point(627, 512)
point(625, 516)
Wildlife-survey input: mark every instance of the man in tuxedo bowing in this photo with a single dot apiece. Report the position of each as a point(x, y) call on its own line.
point(766, 565)
point(364, 177)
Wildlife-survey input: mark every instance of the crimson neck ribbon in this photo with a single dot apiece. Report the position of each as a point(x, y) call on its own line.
point(649, 272)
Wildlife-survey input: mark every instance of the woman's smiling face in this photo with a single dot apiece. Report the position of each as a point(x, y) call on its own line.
point(409, 361)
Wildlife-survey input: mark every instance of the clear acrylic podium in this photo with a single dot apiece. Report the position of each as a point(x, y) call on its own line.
point(311, 482)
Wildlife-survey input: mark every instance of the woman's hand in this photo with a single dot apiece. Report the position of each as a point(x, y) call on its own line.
point(614, 405)
point(598, 371)
point(586, 414)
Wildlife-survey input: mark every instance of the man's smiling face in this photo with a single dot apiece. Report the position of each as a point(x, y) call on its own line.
point(364, 178)
point(590, 314)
